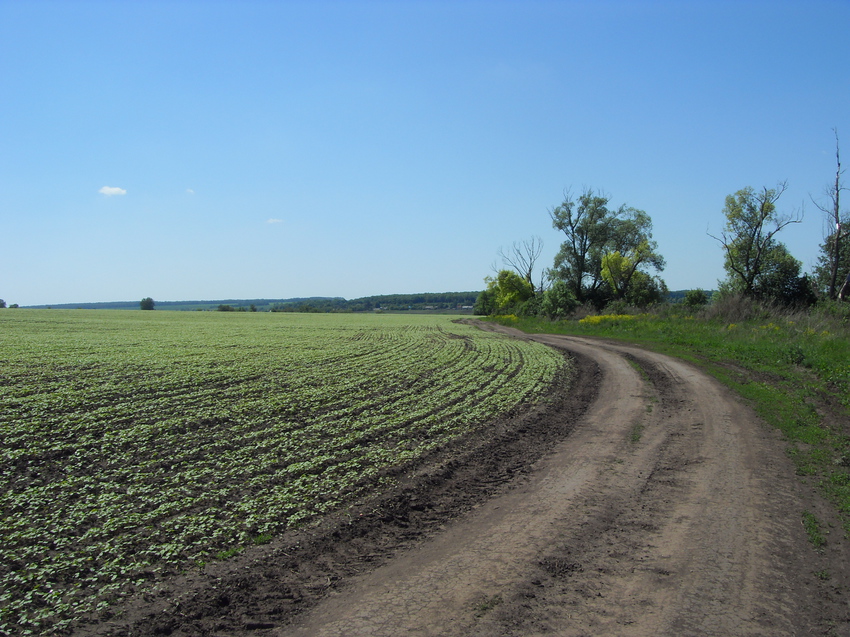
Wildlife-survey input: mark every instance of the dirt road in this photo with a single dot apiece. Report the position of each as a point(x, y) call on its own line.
point(670, 510)
point(644, 499)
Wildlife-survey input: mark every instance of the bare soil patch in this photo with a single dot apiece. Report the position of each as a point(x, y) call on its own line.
point(643, 499)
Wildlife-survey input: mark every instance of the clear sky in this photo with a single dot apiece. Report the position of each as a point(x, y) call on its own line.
point(255, 149)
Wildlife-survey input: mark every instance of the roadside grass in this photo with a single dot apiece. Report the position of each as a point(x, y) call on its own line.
point(813, 530)
point(793, 367)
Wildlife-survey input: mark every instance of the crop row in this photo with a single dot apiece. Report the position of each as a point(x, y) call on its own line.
point(137, 443)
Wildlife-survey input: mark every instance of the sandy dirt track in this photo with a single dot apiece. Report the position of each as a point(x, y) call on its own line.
point(669, 511)
point(644, 499)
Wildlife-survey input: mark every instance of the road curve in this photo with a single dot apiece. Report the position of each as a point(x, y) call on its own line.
point(670, 510)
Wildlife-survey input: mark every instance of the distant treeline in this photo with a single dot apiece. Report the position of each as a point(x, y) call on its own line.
point(454, 301)
point(424, 302)
point(259, 304)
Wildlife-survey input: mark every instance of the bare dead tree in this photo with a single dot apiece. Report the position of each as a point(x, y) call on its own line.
point(522, 258)
point(832, 212)
point(546, 276)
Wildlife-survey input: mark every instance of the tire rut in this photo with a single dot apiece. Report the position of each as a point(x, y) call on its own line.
point(665, 512)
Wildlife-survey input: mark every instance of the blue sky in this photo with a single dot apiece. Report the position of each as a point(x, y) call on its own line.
point(209, 150)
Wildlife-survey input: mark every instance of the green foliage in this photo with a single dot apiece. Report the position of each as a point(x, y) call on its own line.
point(813, 530)
point(147, 303)
point(594, 233)
point(756, 263)
point(531, 306)
point(645, 290)
point(780, 280)
point(822, 274)
point(138, 444)
point(616, 269)
point(695, 298)
point(558, 301)
point(485, 304)
point(509, 291)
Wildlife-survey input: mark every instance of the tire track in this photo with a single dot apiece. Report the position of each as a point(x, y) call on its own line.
point(670, 510)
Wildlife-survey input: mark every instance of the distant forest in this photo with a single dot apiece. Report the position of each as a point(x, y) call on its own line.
point(455, 302)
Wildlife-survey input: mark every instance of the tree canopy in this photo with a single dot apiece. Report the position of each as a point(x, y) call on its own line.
point(756, 263)
point(506, 292)
point(604, 249)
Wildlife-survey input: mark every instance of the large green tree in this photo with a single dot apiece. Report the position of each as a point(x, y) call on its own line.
point(594, 232)
point(756, 263)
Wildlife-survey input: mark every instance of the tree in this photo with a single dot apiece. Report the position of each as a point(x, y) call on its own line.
point(645, 290)
point(695, 298)
point(522, 257)
point(485, 304)
point(617, 270)
point(748, 239)
point(147, 303)
point(829, 263)
point(558, 300)
point(832, 248)
point(584, 222)
point(507, 292)
point(593, 231)
point(780, 279)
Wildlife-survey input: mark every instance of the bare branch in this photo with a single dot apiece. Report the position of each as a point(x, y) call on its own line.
point(523, 256)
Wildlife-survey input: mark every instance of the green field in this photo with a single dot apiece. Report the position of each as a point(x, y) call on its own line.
point(137, 444)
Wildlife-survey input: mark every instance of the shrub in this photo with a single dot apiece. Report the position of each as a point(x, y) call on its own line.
point(696, 298)
point(558, 301)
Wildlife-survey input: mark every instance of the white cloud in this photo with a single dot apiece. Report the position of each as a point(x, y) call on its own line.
point(112, 190)
point(190, 191)
point(274, 221)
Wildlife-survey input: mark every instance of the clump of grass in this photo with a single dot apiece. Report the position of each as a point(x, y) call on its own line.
point(262, 538)
point(612, 318)
point(813, 530)
point(224, 555)
point(637, 432)
point(487, 605)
